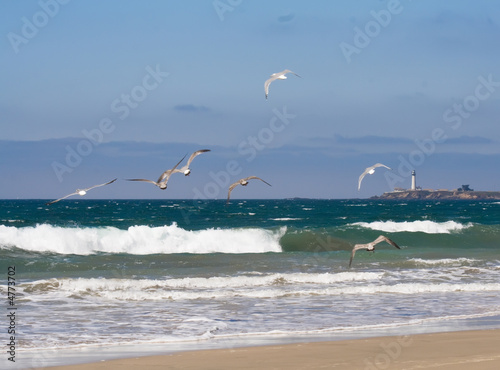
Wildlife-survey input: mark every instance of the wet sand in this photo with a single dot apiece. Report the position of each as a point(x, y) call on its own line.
point(477, 349)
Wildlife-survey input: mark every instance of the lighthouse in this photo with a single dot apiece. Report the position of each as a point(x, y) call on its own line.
point(413, 180)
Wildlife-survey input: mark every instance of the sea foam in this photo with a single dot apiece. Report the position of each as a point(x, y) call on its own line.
point(140, 239)
point(429, 227)
point(443, 261)
point(154, 290)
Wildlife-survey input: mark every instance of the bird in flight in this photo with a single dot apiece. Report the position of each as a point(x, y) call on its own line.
point(370, 170)
point(81, 192)
point(370, 247)
point(163, 179)
point(277, 76)
point(186, 170)
point(242, 182)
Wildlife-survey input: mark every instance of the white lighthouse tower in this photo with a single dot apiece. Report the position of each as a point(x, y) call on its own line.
point(413, 180)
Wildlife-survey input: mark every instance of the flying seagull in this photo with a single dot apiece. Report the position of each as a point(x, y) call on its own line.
point(163, 179)
point(370, 247)
point(186, 170)
point(81, 192)
point(243, 182)
point(370, 170)
point(277, 76)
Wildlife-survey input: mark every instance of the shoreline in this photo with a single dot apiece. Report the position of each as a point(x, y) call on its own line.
point(446, 350)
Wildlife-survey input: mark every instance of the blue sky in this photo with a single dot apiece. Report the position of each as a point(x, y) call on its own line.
point(132, 86)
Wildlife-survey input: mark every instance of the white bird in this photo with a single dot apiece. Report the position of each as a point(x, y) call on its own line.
point(277, 76)
point(370, 170)
point(163, 179)
point(370, 247)
point(186, 170)
point(242, 182)
point(81, 192)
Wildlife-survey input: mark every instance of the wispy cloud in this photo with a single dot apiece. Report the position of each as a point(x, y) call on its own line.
point(389, 140)
point(191, 108)
point(285, 18)
point(461, 140)
point(370, 139)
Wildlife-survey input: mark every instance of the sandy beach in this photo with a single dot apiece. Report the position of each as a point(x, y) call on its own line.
point(476, 349)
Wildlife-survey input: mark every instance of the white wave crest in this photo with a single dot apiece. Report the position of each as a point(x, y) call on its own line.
point(228, 288)
point(140, 240)
point(429, 227)
point(197, 283)
point(443, 261)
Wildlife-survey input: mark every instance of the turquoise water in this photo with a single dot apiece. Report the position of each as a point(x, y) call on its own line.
point(97, 273)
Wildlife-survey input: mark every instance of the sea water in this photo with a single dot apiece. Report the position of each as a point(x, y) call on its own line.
point(183, 274)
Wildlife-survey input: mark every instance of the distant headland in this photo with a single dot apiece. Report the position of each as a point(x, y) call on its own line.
point(416, 192)
point(440, 194)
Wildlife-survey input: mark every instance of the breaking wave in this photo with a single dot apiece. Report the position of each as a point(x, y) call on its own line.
point(140, 240)
point(429, 227)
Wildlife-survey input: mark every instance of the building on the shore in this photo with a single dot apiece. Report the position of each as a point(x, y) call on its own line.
point(465, 188)
point(413, 187)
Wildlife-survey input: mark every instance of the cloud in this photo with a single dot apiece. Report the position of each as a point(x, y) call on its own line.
point(288, 17)
point(469, 140)
point(388, 140)
point(321, 173)
point(370, 139)
point(191, 108)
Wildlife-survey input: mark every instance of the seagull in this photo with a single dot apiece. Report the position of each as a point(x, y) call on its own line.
point(370, 170)
point(186, 170)
point(81, 192)
point(370, 247)
point(163, 179)
point(243, 182)
point(277, 76)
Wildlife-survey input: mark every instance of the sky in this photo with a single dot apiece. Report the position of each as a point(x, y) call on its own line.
point(95, 90)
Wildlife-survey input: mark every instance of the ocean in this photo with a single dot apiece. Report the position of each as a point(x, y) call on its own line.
point(87, 279)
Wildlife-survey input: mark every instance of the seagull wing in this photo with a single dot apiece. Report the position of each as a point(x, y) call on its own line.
point(231, 187)
point(362, 176)
point(255, 177)
point(57, 200)
point(381, 165)
point(96, 186)
point(151, 181)
point(354, 249)
point(198, 152)
point(268, 82)
point(383, 238)
point(288, 71)
point(166, 175)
